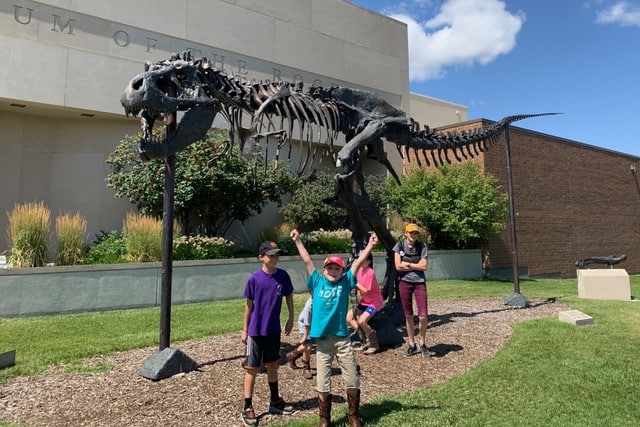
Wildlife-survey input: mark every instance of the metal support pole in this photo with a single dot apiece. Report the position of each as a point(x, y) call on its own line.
point(167, 361)
point(167, 249)
point(516, 298)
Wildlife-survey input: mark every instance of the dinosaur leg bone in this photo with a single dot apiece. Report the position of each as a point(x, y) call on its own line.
point(347, 155)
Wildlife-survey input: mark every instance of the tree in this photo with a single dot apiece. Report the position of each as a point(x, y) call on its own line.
point(213, 187)
point(459, 206)
point(309, 211)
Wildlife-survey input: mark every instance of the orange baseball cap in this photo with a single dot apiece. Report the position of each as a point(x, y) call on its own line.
point(411, 228)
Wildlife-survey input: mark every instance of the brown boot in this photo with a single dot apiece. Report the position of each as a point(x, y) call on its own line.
point(324, 407)
point(353, 399)
point(306, 370)
point(292, 356)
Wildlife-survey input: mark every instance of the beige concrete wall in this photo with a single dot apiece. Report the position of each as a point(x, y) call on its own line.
point(61, 162)
point(49, 290)
point(95, 47)
point(435, 112)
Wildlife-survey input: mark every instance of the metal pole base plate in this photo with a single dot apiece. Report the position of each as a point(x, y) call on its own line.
point(517, 300)
point(167, 363)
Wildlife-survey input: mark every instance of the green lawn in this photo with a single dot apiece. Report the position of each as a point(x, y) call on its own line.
point(550, 373)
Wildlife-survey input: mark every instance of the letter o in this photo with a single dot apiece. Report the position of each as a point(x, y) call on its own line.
point(121, 38)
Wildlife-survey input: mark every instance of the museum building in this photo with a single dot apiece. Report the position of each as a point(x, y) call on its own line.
point(67, 63)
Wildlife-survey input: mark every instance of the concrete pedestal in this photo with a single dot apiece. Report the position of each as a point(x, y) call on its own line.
point(609, 284)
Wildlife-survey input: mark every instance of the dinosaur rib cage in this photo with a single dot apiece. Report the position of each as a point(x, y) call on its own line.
point(279, 108)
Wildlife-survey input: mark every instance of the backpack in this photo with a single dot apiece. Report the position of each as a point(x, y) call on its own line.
point(403, 251)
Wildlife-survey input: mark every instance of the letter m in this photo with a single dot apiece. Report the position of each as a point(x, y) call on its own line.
point(57, 23)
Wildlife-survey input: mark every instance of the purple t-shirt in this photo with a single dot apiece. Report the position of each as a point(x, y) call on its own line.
point(267, 290)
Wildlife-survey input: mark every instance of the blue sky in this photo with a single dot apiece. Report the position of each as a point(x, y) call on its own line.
point(504, 57)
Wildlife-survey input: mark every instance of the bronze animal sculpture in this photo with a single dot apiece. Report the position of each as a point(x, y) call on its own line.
point(317, 117)
point(610, 260)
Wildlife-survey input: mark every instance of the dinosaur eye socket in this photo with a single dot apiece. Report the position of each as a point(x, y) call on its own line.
point(181, 75)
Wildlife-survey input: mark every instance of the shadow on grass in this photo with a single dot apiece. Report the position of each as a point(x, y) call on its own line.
point(372, 413)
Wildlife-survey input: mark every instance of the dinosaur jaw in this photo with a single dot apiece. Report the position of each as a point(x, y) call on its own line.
point(192, 128)
point(154, 95)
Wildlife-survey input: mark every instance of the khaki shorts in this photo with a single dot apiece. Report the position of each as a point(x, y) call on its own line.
point(339, 347)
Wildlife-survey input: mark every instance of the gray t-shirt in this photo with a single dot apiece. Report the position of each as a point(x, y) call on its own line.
point(412, 255)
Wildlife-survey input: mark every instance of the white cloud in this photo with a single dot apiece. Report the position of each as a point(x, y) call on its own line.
point(624, 13)
point(462, 32)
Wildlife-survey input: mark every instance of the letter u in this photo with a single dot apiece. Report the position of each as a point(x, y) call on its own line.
point(16, 14)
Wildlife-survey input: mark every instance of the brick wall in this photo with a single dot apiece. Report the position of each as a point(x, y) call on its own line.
point(571, 200)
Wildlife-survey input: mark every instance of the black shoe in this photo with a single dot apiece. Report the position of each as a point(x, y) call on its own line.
point(280, 407)
point(425, 351)
point(411, 350)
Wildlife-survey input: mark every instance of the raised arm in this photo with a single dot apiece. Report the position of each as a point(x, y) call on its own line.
point(373, 240)
point(302, 251)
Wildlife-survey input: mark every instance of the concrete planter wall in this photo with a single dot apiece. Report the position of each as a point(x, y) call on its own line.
point(49, 290)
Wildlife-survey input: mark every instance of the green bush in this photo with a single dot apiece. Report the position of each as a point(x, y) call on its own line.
point(319, 242)
point(457, 204)
point(308, 210)
point(28, 230)
point(213, 187)
point(108, 248)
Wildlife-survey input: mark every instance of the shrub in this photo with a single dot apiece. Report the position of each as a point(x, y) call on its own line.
point(309, 211)
point(108, 248)
point(143, 238)
point(319, 242)
point(28, 230)
point(459, 206)
point(213, 188)
point(201, 247)
point(71, 231)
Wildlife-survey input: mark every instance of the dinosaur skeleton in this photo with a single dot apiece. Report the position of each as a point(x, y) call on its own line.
point(316, 117)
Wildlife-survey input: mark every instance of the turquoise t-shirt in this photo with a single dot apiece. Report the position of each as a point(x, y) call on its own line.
point(330, 304)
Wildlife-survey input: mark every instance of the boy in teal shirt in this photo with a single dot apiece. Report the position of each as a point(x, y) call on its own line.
point(330, 292)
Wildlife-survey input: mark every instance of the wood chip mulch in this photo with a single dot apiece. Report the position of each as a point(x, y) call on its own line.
point(462, 333)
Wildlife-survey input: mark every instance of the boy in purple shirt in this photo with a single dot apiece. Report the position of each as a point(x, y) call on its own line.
point(261, 332)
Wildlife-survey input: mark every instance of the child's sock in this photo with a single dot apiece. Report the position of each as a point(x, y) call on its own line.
point(273, 388)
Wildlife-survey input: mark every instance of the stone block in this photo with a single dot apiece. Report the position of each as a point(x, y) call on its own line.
point(607, 284)
point(167, 363)
point(575, 317)
point(7, 358)
point(388, 335)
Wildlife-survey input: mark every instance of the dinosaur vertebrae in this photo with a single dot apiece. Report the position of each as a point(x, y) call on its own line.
point(464, 144)
point(321, 114)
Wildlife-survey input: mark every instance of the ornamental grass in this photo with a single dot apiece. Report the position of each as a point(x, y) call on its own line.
point(143, 237)
point(71, 231)
point(28, 232)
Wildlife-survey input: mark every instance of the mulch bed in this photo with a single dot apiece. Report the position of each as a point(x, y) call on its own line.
point(462, 333)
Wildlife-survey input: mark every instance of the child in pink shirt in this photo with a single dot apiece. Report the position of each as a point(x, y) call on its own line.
point(370, 303)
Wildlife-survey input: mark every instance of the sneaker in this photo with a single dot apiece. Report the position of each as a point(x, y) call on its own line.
point(425, 351)
point(371, 350)
point(248, 417)
point(280, 407)
point(357, 345)
point(411, 350)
